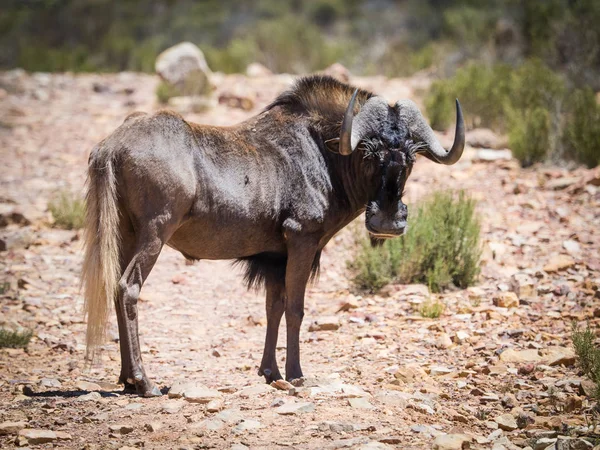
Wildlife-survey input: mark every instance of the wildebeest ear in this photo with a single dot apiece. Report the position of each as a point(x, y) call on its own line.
point(333, 145)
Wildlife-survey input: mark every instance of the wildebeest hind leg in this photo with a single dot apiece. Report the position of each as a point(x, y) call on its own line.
point(275, 307)
point(148, 244)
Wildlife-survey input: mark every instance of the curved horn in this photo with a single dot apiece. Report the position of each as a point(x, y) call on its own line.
point(422, 132)
point(346, 147)
point(354, 129)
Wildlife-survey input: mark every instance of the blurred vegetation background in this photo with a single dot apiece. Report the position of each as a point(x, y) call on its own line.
point(528, 68)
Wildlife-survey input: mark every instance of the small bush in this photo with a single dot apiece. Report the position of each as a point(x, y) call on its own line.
point(14, 339)
point(440, 248)
point(582, 130)
point(68, 211)
point(432, 309)
point(165, 91)
point(589, 355)
point(529, 135)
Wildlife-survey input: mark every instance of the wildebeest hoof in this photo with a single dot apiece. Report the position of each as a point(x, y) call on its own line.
point(297, 381)
point(147, 389)
point(269, 375)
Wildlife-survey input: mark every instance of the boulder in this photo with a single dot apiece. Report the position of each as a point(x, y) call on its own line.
point(184, 67)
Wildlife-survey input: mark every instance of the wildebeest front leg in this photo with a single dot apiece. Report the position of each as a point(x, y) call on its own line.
point(275, 307)
point(301, 255)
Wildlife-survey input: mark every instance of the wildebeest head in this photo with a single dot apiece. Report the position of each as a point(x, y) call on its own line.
point(390, 137)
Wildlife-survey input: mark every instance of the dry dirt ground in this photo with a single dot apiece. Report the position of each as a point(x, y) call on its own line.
point(496, 370)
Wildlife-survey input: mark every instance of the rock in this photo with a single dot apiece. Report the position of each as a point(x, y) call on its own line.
point(519, 357)
point(523, 285)
point(35, 436)
point(558, 184)
point(558, 263)
point(348, 305)
point(485, 138)
point(296, 408)
point(506, 300)
point(572, 247)
point(461, 337)
point(443, 341)
point(233, 100)
point(359, 403)
point(153, 426)
point(258, 389)
point(172, 407)
point(506, 422)
point(201, 395)
point(121, 428)
point(194, 104)
point(8, 428)
point(246, 425)
point(63, 436)
point(282, 385)
point(435, 371)
point(588, 388)
point(572, 403)
point(91, 397)
point(230, 416)
point(88, 386)
point(544, 443)
point(560, 356)
point(485, 155)
point(239, 447)
point(215, 405)
point(372, 445)
point(50, 383)
point(410, 374)
point(256, 70)
point(325, 324)
point(213, 424)
point(339, 72)
point(452, 442)
point(184, 67)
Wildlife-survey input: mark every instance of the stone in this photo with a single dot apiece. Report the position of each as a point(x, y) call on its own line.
point(325, 324)
point(246, 425)
point(172, 407)
point(239, 447)
point(359, 403)
point(50, 383)
point(256, 70)
point(560, 356)
point(544, 443)
point(153, 426)
point(435, 371)
point(452, 442)
point(339, 72)
point(506, 300)
point(558, 184)
point(215, 405)
point(8, 428)
point(282, 385)
point(258, 389)
point(296, 408)
point(523, 285)
point(485, 138)
point(184, 67)
point(461, 337)
point(230, 416)
point(572, 247)
point(201, 395)
point(443, 341)
point(506, 422)
point(36, 436)
point(558, 263)
point(63, 436)
point(91, 397)
point(410, 374)
point(121, 428)
point(87, 386)
point(212, 424)
point(519, 357)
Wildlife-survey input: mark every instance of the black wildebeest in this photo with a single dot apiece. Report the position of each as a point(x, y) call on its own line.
point(269, 192)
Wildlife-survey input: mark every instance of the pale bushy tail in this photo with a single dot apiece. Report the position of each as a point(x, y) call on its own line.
point(101, 271)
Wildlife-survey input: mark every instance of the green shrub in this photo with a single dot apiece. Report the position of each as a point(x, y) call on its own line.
point(164, 91)
point(582, 130)
point(432, 309)
point(529, 135)
point(440, 248)
point(14, 339)
point(68, 211)
point(589, 355)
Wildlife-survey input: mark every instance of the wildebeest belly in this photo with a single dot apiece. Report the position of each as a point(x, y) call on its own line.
point(205, 238)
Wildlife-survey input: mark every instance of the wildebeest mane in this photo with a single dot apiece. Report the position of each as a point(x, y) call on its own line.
point(319, 96)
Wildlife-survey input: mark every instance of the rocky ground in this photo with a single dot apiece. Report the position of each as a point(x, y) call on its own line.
point(496, 370)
